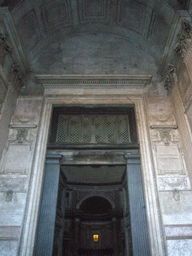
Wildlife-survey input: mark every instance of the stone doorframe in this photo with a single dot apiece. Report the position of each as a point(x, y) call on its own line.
point(104, 97)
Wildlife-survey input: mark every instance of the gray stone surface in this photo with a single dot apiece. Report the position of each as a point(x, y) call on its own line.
point(179, 247)
point(60, 38)
point(8, 248)
point(10, 232)
point(175, 231)
point(5, 117)
point(17, 158)
point(94, 54)
point(17, 183)
point(12, 208)
point(176, 207)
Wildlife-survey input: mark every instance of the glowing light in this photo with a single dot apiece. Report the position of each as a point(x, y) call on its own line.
point(95, 238)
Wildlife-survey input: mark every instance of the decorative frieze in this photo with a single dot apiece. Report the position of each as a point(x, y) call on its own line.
point(15, 183)
point(91, 80)
point(22, 134)
point(170, 183)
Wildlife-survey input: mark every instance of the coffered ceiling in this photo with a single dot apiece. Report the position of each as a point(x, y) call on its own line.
point(94, 36)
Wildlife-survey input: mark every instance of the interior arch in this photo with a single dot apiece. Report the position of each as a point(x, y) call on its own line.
point(95, 205)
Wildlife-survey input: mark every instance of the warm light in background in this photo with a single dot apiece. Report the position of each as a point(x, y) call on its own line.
point(95, 238)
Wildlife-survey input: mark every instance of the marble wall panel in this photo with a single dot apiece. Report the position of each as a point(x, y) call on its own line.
point(166, 146)
point(17, 159)
point(27, 111)
point(8, 248)
point(173, 179)
point(5, 117)
point(173, 183)
point(10, 232)
point(160, 111)
point(179, 247)
point(169, 160)
point(176, 207)
point(15, 170)
point(12, 208)
point(184, 231)
point(16, 183)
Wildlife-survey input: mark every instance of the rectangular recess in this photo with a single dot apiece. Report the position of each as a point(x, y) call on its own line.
point(93, 126)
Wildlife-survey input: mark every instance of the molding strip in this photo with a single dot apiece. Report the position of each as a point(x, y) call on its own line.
point(167, 127)
point(174, 232)
point(96, 80)
point(10, 232)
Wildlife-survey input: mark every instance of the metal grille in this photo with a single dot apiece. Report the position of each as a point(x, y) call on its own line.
point(74, 129)
point(93, 128)
point(62, 128)
point(99, 129)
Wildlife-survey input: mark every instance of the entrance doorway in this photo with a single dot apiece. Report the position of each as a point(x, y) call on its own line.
point(94, 214)
point(93, 141)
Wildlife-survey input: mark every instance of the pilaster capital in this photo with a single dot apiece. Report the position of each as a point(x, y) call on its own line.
point(132, 159)
point(53, 158)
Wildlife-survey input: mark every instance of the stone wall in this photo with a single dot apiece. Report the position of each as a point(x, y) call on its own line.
point(168, 131)
point(6, 113)
point(15, 171)
point(169, 136)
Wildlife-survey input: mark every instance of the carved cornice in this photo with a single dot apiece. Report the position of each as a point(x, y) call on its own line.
point(58, 81)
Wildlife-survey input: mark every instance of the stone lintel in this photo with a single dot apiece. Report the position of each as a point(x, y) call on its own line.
point(59, 81)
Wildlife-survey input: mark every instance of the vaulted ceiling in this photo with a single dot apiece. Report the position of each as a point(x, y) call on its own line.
point(94, 36)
